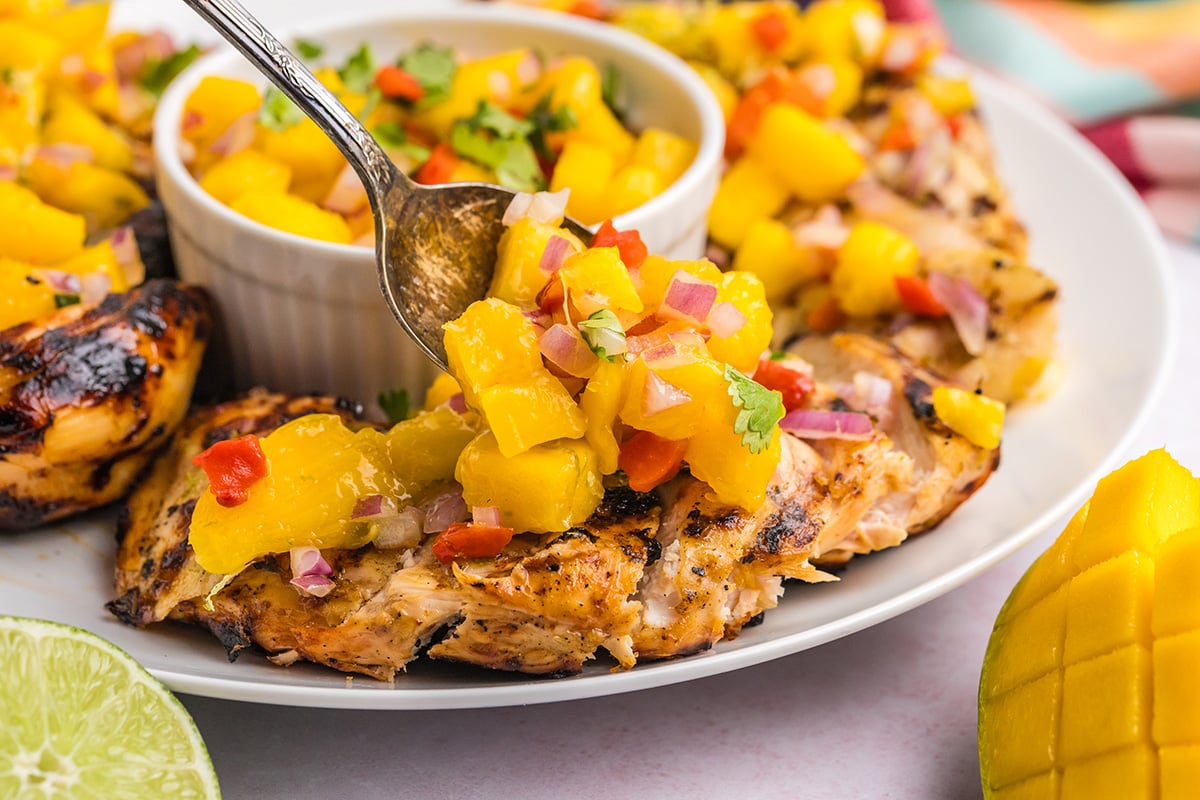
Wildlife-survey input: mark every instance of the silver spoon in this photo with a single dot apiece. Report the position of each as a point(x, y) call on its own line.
point(435, 246)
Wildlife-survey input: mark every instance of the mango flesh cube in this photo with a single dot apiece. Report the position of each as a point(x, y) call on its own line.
point(1025, 724)
point(537, 410)
point(770, 251)
point(586, 169)
point(423, 450)
point(248, 170)
point(1108, 607)
point(1175, 584)
point(811, 160)
point(747, 193)
point(1039, 787)
point(666, 153)
point(1124, 774)
point(292, 214)
point(597, 274)
point(1179, 772)
point(1108, 701)
point(631, 187)
point(519, 277)
point(1136, 507)
point(1177, 689)
point(1035, 645)
point(491, 342)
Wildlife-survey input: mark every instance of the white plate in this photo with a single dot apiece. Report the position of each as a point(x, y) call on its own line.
point(1089, 230)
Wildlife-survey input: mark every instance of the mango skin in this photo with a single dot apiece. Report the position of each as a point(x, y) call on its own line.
point(1088, 687)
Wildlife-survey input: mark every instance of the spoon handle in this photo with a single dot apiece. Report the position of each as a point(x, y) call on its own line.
point(287, 72)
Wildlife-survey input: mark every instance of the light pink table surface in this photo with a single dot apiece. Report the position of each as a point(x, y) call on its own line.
point(885, 713)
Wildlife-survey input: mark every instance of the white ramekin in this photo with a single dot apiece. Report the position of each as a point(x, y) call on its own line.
point(303, 315)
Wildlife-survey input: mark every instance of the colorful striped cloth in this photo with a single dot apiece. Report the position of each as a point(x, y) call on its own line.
point(1126, 73)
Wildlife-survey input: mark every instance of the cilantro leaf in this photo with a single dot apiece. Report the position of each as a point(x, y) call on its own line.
point(434, 69)
point(777, 355)
point(761, 410)
point(610, 88)
point(277, 112)
point(513, 160)
point(395, 404)
point(358, 73)
point(63, 300)
point(546, 121)
point(492, 117)
point(308, 49)
point(157, 74)
point(603, 333)
point(393, 137)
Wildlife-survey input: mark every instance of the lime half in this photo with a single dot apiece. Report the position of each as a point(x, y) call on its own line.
point(79, 718)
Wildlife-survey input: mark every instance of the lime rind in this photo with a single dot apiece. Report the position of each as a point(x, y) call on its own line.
point(83, 719)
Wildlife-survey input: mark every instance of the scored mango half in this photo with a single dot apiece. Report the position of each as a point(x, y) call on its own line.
point(1089, 686)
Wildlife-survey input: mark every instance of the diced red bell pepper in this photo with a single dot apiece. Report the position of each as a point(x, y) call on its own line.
point(955, 124)
point(397, 84)
point(628, 243)
point(232, 467)
point(439, 167)
point(916, 296)
point(778, 85)
point(470, 540)
point(826, 317)
point(650, 460)
point(770, 29)
point(792, 384)
point(897, 137)
point(591, 9)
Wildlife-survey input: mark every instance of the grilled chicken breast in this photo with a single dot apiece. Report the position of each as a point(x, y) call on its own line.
point(648, 576)
point(87, 395)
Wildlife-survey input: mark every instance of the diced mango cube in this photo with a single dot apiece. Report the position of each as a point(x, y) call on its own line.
point(586, 169)
point(976, 417)
point(214, 105)
point(423, 450)
point(1029, 646)
point(292, 214)
point(702, 380)
point(76, 26)
point(868, 263)
point(23, 47)
point(1179, 772)
point(519, 277)
point(1176, 689)
point(1127, 773)
point(304, 147)
point(847, 79)
point(474, 81)
point(656, 273)
point(668, 154)
point(600, 401)
point(36, 232)
point(1108, 607)
point(1170, 503)
point(106, 197)
point(1178, 565)
point(1024, 742)
point(631, 187)
point(440, 391)
point(597, 276)
point(245, 171)
point(1108, 700)
point(747, 193)
point(597, 125)
point(948, 96)
point(551, 487)
point(813, 161)
point(575, 83)
point(850, 29)
point(716, 455)
point(769, 250)
point(532, 412)
point(71, 121)
point(743, 347)
point(22, 299)
point(492, 342)
point(102, 258)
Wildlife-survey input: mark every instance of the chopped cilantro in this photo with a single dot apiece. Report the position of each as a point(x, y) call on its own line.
point(308, 49)
point(395, 404)
point(761, 410)
point(277, 112)
point(495, 119)
point(64, 300)
point(778, 355)
point(157, 74)
point(434, 69)
point(513, 160)
point(603, 332)
point(610, 88)
point(546, 121)
point(392, 136)
point(358, 73)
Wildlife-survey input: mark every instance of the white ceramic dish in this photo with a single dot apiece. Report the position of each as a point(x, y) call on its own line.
point(1117, 339)
point(304, 315)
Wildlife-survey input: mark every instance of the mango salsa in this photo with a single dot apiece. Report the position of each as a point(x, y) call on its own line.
point(1088, 686)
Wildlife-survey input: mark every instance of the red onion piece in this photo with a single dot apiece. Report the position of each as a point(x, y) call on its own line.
point(688, 298)
point(237, 137)
point(873, 393)
point(71, 65)
point(373, 506)
point(403, 530)
point(308, 560)
point(64, 282)
point(347, 195)
point(811, 424)
point(553, 255)
point(900, 52)
point(191, 120)
point(92, 79)
point(315, 585)
point(658, 396)
point(457, 403)
point(967, 308)
point(445, 510)
point(529, 68)
point(94, 287)
point(499, 86)
point(725, 319)
point(820, 78)
point(718, 255)
point(826, 230)
point(565, 348)
point(486, 515)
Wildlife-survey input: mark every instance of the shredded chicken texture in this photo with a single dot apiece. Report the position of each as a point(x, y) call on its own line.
point(648, 576)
